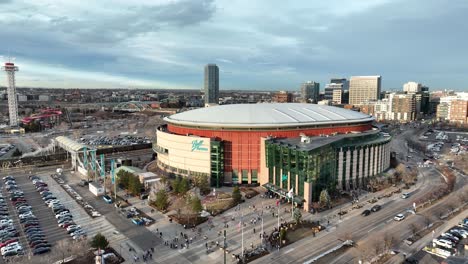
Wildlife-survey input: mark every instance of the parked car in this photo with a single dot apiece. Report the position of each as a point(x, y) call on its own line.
point(41, 250)
point(443, 243)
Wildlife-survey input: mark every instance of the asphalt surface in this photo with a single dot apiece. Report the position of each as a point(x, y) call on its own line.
point(46, 217)
point(138, 234)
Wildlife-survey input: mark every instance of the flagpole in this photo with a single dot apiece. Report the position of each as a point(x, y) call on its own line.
point(292, 206)
point(279, 204)
point(261, 236)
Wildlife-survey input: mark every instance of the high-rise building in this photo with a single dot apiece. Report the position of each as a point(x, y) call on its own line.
point(10, 69)
point(310, 92)
point(282, 97)
point(343, 81)
point(412, 87)
point(335, 89)
point(459, 111)
point(211, 89)
point(452, 108)
point(364, 88)
point(403, 107)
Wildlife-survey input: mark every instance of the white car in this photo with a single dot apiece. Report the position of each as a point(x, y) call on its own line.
point(62, 215)
point(48, 202)
point(72, 227)
point(4, 221)
point(26, 215)
point(443, 243)
point(79, 236)
point(11, 247)
point(78, 232)
point(399, 217)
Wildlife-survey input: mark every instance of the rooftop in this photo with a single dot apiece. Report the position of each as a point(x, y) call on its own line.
point(267, 115)
point(317, 142)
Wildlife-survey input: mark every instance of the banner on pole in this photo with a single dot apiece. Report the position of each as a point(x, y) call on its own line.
point(113, 171)
point(93, 160)
point(85, 158)
point(103, 168)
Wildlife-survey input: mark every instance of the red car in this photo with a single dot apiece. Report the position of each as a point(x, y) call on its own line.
point(68, 224)
point(8, 242)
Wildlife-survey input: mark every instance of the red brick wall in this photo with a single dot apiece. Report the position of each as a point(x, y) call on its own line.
point(242, 148)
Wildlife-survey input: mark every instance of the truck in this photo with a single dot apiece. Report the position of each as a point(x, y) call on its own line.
point(96, 189)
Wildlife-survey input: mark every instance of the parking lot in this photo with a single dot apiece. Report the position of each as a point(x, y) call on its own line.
point(113, 141)
point(46, 217)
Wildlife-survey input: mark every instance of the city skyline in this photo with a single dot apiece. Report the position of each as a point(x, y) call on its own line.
point(166, 44)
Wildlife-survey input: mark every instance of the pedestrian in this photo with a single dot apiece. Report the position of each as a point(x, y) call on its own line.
point(206, 245)
point(254, 230)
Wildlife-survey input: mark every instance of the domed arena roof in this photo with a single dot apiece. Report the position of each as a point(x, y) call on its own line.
point(267, 115)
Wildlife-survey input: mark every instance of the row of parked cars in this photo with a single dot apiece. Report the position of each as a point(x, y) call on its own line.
point(31, 227)
point(9, 244)
point(62, 214)
point(88, 208)
point(449, 239)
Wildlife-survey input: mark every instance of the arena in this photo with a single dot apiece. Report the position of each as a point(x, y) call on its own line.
point(274, 145)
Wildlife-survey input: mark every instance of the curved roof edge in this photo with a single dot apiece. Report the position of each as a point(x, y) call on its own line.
point(291, 125)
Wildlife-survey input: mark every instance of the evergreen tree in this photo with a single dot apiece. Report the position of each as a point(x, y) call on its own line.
point(176, 185)
point(325, 199)
point(134, 185)
point(196, 204)
point(162, 201)
point(99, 241)
point(236, 195)
point(297, 215)
point(184, 186)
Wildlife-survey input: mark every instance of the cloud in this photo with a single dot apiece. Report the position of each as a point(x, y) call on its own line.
point(261, 44)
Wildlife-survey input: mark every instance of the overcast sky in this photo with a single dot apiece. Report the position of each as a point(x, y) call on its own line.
point(258, 44)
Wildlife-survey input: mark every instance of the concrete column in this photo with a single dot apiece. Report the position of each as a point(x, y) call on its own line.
point(361, 166)
point(348, 168)
point(307, 196)
point(340, 169)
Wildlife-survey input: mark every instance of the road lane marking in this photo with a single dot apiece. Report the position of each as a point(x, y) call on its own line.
point(289, 250)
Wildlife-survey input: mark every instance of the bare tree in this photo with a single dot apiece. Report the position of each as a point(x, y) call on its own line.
point(413, 228)
point(427, 218)
point(389, 240)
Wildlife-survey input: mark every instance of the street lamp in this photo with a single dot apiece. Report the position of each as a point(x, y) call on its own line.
point(225, 246)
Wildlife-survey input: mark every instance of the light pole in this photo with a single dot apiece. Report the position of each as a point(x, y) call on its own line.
point(225, 246)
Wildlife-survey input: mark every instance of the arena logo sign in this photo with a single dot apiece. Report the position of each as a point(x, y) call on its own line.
point(197, 145)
